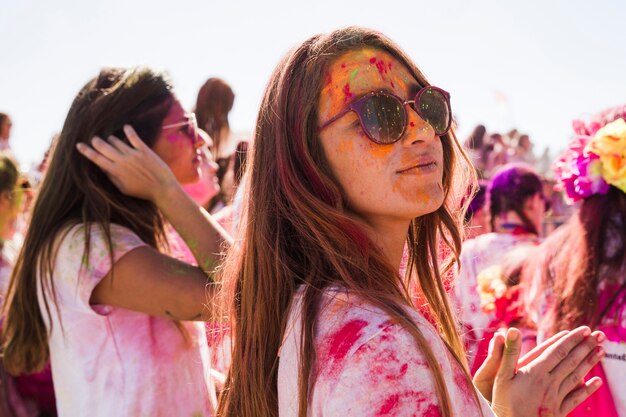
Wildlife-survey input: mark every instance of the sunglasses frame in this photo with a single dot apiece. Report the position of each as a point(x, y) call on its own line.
point(357, 107)
point(191, 122)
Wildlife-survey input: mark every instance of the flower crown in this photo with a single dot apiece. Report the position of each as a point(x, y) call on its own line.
point(591, 164)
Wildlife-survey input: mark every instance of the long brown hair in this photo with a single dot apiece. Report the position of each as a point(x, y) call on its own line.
point(587, 252)
point(75, 191)
point(296, 231)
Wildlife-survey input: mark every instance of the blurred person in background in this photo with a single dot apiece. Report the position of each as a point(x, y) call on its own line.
point(477, 215)
point(5, 131)
point(516, 210)
point(474, 145)
point(215, 100)
point(96, 258)
point(580, 270)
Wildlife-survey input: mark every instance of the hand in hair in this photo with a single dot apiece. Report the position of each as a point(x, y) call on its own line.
point(545, 382)
point(139, 172)
point(136, 170)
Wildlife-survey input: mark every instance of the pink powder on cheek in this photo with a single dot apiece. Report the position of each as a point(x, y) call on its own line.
point(172, 138)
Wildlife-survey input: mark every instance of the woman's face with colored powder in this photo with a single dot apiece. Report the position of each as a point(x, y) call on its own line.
point(180, 146)
point(398, 181)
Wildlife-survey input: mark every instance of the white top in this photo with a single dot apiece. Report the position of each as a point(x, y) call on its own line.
point(477, 255)
point(110, 361)
point(368, 365)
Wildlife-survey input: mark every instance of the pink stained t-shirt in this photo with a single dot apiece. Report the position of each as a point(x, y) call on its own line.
point(369, 366)
point(110, 361)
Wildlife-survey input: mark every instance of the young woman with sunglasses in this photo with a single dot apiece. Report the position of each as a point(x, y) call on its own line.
point(352, 160)
point(93, 288)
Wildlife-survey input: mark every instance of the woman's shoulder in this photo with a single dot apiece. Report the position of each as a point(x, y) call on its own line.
point(348, 324)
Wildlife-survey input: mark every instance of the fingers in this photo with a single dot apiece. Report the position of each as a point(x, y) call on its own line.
point(510, 354)
point(121, 147)
point(94, 156)
point(485, 375)
point(574, 379)
point(134, 138)
point(560, 350)
point(106, 149)
point(581, 394)
point(539, 349)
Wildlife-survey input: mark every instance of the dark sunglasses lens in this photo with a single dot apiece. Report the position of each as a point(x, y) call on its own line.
point(383, 118)
point(433, 107)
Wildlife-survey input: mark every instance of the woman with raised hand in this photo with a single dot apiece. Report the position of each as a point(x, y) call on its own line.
point(580, 270)
point(93, 289)
point(354, 159)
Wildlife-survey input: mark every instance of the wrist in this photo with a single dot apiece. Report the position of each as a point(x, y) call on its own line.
point(167, 194)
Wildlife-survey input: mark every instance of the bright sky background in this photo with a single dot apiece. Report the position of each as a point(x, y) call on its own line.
point(530, 64)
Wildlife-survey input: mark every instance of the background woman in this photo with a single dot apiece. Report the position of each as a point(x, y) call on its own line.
point(580, 275)
point(113, 309)
point(516, 209)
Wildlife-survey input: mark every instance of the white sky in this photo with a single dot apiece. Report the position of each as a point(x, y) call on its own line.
point(553, 60)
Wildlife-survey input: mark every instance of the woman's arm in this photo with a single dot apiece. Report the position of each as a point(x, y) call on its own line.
point(145, 280)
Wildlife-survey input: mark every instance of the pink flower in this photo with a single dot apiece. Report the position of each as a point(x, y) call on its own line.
point(579, 172)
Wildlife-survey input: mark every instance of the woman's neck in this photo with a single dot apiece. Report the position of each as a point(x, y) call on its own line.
point(390, 237)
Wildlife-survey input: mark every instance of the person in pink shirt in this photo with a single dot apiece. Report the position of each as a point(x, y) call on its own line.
point(352, 160)
point(580, 270)
point(94, 290)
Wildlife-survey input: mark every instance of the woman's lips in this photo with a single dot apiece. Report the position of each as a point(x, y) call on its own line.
point(419, 167)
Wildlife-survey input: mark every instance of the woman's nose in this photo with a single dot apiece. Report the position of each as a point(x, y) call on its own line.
point(417, 129)
point(201, 139)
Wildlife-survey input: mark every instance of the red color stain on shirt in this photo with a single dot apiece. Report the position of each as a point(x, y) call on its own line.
point(390, 403)
point(461, 381)
point(347, 94)
point(342, 341)
point(403, 369)
point(432, 411)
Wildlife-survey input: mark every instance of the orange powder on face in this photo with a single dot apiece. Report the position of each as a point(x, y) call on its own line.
point(345, 145)
point(410, 192)
point(376, 150)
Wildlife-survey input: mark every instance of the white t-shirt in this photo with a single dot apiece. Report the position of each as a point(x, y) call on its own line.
point(477, 255)
point(110, 361)
point(368, 365)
